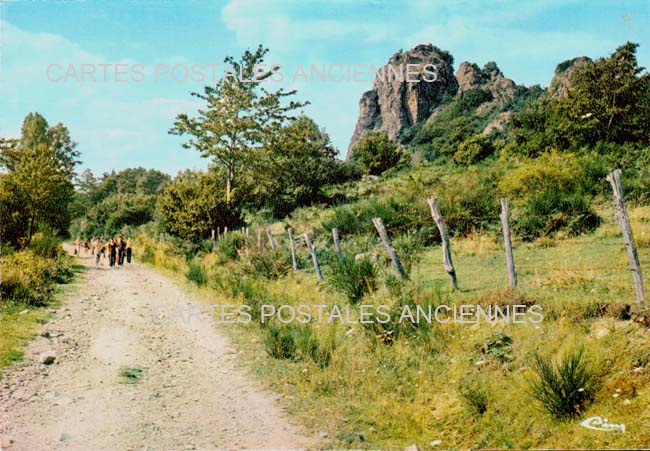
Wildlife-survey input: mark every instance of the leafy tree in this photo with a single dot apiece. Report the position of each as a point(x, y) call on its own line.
point(240, 115)
point(299, 163)
point(376, 152)
point(37, 188)
point(194, 204)
point(119, 199)
point(609, 101)
point(36, 131)
point(44, 189)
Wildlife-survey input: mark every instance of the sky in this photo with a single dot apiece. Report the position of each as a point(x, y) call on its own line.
point(122, 120)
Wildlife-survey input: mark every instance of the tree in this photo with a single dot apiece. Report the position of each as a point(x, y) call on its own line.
point(45, 190)
point(194, 204)
point(299, 163)
point(36, 131)
point(376, 153)
point(239, 116)
point(39, 170)
point(609, 100)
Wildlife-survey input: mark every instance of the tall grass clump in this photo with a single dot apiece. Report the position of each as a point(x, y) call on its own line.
point(311, 346)
point(279, 341)
point(564, 390)
point(474, 394)
point(354, 278)
point(196, 273)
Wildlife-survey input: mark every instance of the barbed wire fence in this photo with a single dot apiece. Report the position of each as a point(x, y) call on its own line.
point(514, 269)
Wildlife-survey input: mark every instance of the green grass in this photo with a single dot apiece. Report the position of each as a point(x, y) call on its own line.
point(130, 374)
point(421, 385)
point(19, 322)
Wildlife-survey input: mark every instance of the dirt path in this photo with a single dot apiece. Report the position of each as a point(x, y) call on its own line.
point(190, 395)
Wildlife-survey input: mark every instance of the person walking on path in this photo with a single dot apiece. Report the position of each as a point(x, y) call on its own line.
point(121, 250)
point(128, 250)
point(112, 252)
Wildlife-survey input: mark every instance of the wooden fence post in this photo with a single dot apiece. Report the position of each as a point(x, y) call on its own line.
point(314, 257)
point(337, 243)
point(614, 178)
point(510, 261)
point(292, 244)
point(259, 239)
point(444, 235)
point(379, 225)
point(269, 234)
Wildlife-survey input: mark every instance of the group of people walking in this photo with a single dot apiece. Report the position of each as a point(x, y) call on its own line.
point(116, 250)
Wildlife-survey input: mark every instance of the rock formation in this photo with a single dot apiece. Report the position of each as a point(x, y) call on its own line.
point(470, 76)
point(561, 82)
point(399, 100)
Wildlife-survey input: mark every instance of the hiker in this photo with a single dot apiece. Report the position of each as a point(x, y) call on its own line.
point(102, 248)
point(112, 252)
point(97, 251)
point(86, 247)
point(121, 250)
point(77, 245)
point(128, 250)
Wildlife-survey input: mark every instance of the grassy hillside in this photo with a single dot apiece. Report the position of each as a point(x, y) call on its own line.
point(467, 385)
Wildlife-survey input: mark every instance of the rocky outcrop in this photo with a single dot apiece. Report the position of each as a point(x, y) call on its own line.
point(561, 82)
point(498, 124)
point(406, 91)
point(470, 76)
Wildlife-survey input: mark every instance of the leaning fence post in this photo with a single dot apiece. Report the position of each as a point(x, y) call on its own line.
point(269, 234)
point(292, 244)
point(337, 243)
point(444, 235)
point(379, 225)
point(314, 257)
point(614, 178)
point(510, 261)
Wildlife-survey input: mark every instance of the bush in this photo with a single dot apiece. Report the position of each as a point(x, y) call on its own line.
point(357, 218)
point(353, 277)
point(376, 153)
point(196, 273)
point(46, 244)
point(551, 193)
point(567, 389)
point(309, 345)
point(270, 264)
point(279, 341)
point(231, 244)
point(477, 148)
point(27, 278)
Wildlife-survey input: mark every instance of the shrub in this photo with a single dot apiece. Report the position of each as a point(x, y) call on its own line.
point(231, 244)
point(270, 264)
point(551, 193)
point(196, 273)
point(27, 278)
point(46, 244)
point(566, 389)
point(474, 149)
point(353, 277)
point(279, 341)
point(376, 153)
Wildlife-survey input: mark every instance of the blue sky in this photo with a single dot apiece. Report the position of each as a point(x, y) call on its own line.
point(120, 125)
